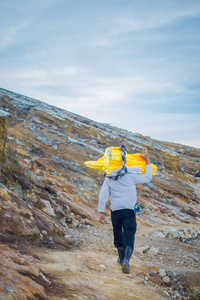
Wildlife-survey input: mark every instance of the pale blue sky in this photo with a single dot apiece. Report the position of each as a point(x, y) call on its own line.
point(133, 64)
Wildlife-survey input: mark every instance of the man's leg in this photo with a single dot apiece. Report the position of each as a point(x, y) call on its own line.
point(129, 227)
point(117, 233)
point(117, 228)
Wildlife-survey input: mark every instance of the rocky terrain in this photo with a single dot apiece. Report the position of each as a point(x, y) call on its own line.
point(52, 245)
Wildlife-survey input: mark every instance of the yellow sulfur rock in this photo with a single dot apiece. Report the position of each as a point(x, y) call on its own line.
point(4, 192)
point(112, 160)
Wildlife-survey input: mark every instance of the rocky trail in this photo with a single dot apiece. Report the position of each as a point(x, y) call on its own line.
point(91, 271)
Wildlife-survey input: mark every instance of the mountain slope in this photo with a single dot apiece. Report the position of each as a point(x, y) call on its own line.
point(46, 190)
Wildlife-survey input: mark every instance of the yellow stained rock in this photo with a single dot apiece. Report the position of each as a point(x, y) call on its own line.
point(4, 193)
point(112, 160)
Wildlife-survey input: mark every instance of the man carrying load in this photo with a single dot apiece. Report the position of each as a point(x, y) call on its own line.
point(121, 186)
point(123, 171)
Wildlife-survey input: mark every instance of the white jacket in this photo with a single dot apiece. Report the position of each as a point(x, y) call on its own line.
point(123, 191)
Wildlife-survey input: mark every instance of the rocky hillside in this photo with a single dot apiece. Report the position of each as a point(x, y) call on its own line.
point(46, 191)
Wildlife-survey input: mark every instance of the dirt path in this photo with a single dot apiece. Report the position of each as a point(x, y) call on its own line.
point(92, 272)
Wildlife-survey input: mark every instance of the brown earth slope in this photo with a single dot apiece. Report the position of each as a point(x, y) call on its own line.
point(48, 210)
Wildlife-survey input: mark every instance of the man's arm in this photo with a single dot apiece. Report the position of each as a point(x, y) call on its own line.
point(103, 198)
point(147, 176)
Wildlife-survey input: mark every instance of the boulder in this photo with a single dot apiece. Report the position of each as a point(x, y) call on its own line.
point(152, 251)
point(45, 206)
point(15, 286)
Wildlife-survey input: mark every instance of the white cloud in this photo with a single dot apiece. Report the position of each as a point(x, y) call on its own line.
point(143, 20)
point(12, 34)
point(103, 42)
point(80, 90)
point(40, 77)
point(172, 127)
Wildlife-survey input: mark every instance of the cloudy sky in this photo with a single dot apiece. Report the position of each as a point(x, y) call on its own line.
point(134, 64)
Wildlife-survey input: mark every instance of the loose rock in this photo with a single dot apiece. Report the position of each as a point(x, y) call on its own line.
point(162, 273)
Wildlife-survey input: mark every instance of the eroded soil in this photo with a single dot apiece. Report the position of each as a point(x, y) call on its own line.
point(91, 270)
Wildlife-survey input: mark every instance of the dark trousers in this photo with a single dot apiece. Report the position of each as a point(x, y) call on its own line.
point(124, 227)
